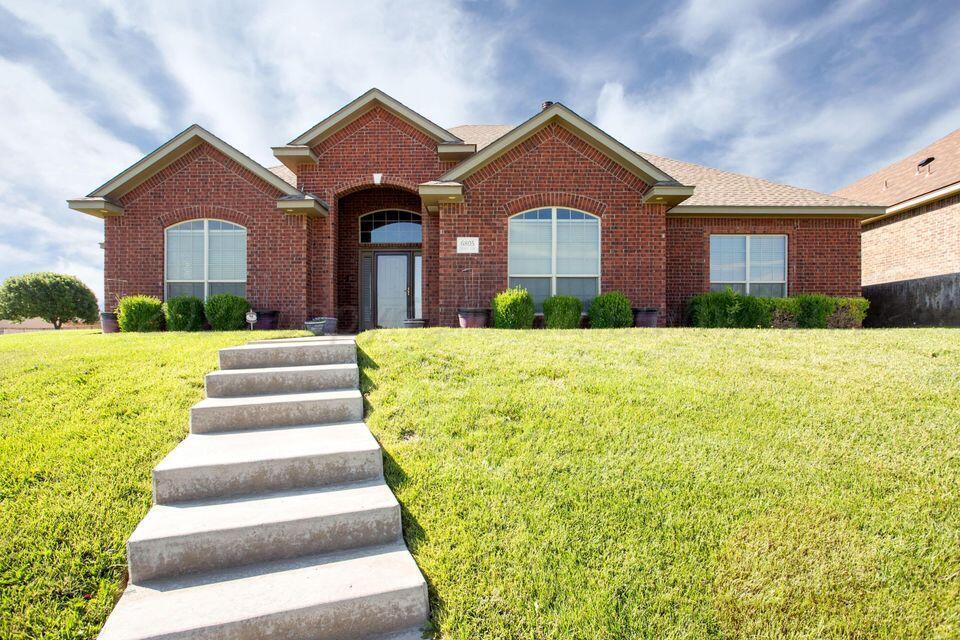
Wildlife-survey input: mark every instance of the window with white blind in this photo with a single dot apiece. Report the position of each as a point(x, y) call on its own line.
point(751, 264)
point(205, 257)
point(555, 251)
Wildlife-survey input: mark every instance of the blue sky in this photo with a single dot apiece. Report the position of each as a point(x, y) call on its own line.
point(811, 94)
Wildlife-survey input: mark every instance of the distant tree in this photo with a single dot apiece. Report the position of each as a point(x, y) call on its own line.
point(55, 297)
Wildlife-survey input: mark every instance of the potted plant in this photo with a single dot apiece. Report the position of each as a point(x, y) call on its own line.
point(414, 323)
point(108, 319)
point(646, 316)
point(322, 325)
point(472, 317)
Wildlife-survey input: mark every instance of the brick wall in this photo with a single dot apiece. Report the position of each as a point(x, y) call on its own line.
point(823, 255)
point(375, 142)
point(918, 243)
point(206, 184)
point(552, 168)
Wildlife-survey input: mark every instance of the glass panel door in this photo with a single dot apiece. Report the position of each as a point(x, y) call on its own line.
point(393, 289)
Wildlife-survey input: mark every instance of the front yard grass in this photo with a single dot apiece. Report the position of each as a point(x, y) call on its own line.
point(84, 417)
point(676, 483)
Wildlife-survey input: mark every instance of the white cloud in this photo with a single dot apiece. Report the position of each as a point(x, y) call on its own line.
point(742, 109)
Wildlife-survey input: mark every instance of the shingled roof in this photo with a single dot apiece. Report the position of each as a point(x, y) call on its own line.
point(905, 179)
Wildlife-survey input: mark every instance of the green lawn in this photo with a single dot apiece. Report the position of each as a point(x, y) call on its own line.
point(676, 483)
point(83, 419)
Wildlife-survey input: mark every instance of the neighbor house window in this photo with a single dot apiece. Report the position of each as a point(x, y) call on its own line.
point(391, 227)
point(555, 251)
point(206, 257)
point(751, 264)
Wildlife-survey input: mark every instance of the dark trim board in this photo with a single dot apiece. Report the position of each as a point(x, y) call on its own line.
point(922, 302)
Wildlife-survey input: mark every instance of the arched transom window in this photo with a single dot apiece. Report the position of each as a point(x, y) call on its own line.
point(206, 257)
point(555, 251)
point(391, 227)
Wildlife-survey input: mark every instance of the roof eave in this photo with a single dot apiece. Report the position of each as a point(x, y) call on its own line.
point(918, 201)
point(438, 192)
point(776, 211)
point(667, 194)
point(307, 205)
point(292, 155)
point(97, 207)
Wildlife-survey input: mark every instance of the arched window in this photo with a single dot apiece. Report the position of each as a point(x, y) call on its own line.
point(555, 251)
point(205, 257)
point(391, 227)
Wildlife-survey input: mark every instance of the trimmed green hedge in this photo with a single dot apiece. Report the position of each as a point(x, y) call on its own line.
point(805, 311)
point(184, 313)
point(610, 311)
point(562, 312)
point(226, 312)
point(513, 309)
point(140, 313)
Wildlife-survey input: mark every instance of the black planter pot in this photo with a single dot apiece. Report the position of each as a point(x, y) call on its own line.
point(267, 320)
point(414, 323)
point(646, 317)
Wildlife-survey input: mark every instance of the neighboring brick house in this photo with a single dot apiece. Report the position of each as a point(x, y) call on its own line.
point(911, 253)
point(378, 215)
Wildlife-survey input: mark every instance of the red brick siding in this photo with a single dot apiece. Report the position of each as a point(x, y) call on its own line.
point(918, 243)
point(375, 142)
point(823, 255)
point(351, 208)
point(553, 168)
point(206, 184)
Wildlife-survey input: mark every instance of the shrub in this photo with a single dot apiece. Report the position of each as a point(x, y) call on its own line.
point(184, 313)
point(814, 309)
point(849, 313)
point(610, 310)
point(140, 313)
point(727, 308)
point(513, 309)
point(784, 312)
point(226, 312)
point(562, 312)
point(55, 297)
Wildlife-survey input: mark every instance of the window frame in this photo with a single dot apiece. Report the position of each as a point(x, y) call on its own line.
point(746, 283)
point(387, 244)
point(206, 257)
point(553, 251)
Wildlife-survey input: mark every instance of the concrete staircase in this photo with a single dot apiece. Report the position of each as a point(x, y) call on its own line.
point(272, 518)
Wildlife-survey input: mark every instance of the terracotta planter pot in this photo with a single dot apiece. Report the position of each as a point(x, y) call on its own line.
point(108, 323)
point(267, 320)
point(473, 318)
point(646, 317)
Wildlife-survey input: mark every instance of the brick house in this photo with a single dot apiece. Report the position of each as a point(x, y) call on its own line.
point(911, 253)
point(377, 215)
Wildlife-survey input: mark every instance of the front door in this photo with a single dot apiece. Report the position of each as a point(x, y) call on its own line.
point(396, 286)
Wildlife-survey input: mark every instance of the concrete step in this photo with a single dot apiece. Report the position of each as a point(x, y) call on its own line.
point(249, 462)
point(280, 410)
point(189, 537)
point(328, 338)
point(249, 382)
point(290, 354)
point(347, 595)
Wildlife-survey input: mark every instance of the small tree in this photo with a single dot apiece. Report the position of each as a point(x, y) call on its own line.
point(55, 297)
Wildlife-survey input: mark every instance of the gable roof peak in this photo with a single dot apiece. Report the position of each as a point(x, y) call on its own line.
point(347, 113)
